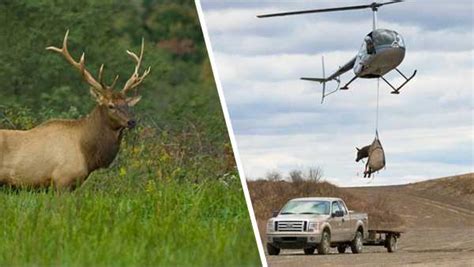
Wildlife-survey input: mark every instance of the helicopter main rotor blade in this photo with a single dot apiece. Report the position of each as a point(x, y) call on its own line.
point(373, 6)
point(391, 2)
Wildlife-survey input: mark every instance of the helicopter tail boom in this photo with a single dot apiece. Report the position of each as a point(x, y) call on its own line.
point(321, 80)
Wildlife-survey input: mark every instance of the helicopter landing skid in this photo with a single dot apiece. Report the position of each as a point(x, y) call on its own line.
point(345, 87)
point(396, 91)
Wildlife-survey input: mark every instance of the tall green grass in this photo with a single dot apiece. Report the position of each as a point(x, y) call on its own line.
point(170, 198)
point(167, 224)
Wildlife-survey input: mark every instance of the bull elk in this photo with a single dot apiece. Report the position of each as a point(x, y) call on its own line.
point(63, 153)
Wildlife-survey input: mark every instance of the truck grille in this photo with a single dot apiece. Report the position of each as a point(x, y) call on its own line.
point(291, 226)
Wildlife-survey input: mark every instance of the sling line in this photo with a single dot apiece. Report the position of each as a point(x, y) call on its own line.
point(377, 111)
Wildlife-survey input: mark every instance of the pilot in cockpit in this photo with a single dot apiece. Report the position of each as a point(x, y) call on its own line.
point(369, 44)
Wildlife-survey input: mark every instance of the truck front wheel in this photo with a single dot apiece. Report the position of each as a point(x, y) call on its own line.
point(325, 244)
point(272, 250)
point(356, 244)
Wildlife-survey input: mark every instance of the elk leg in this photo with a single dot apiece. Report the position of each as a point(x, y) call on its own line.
point(366, 169)
point(68, 180)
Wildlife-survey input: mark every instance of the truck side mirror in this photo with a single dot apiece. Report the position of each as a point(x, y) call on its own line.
point(275, 213)
point(338, 213)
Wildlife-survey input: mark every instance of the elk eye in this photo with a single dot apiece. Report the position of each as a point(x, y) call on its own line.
point(111, 106)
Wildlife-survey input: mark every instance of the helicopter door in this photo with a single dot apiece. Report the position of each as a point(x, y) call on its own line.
point(363, 57)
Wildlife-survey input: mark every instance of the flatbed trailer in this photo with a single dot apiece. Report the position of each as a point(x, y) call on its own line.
point(386, 238)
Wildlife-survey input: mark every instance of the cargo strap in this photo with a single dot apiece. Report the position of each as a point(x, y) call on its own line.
point(377, 110)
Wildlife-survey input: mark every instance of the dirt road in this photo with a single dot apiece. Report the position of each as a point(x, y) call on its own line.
point(439, 231)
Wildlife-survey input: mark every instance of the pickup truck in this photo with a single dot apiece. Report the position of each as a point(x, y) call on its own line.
point(316, 224)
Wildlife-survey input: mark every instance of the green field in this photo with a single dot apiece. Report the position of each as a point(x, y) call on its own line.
point(165, 223)
point(173, 195)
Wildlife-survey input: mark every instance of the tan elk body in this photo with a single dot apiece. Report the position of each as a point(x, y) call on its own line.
point(63, 153)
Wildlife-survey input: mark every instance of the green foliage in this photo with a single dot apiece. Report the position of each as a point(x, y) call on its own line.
point(179, 87)
point(172, 196)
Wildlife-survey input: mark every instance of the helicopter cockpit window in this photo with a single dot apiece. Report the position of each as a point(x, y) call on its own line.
point(400, 41)
point(384, 37)
point(369, 45)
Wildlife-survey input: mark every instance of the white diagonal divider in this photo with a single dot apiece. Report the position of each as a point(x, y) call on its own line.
point(231, 132)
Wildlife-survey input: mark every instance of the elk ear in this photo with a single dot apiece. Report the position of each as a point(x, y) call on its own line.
point(132, 101)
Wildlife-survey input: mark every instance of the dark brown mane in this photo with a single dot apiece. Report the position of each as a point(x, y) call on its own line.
point(100, 142)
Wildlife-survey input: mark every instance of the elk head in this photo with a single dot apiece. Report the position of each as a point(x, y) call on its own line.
point(115, 103)
point(362, 153)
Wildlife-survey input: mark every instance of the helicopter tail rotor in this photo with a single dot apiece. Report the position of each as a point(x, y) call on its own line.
point(323, 81)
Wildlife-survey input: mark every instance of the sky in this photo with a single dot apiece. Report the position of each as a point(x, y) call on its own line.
point(279, 122)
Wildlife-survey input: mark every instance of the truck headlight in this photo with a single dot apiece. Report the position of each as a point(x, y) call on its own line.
point(270, 227)
point(313, 227)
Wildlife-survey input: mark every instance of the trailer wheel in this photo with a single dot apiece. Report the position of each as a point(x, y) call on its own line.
point(391, 243)
point(325, 244)
point(341, 249)
point(308, 251)
point(356, 244)
point(272, 250)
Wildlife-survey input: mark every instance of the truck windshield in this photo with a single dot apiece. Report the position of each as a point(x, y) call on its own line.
point(306, 207)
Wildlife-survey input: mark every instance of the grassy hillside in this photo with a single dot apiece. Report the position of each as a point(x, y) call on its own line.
point(456, 186)
point(172, 196)
point(452, 189)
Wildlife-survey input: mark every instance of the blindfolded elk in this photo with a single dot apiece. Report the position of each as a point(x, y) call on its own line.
point(63, 153)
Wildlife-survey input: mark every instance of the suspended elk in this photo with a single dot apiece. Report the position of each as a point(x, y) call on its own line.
point(376, 157)
point(63, 153)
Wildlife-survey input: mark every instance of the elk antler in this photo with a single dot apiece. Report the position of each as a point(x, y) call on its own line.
point(136, 79)
point(97, 85)
point(102, 83)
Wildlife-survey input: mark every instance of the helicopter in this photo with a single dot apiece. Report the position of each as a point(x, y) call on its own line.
point(381, 52)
